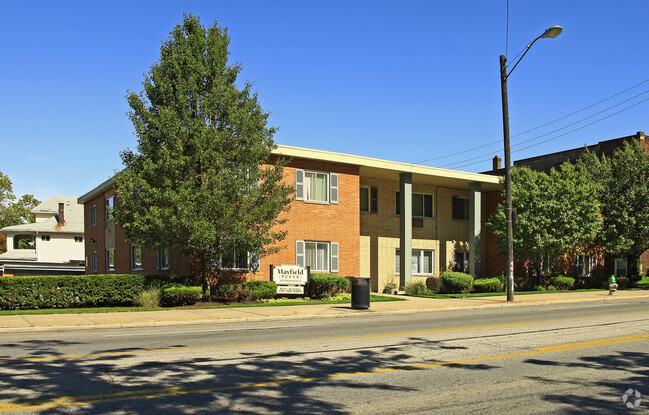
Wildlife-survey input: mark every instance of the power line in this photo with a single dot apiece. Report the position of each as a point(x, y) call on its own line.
point(543, 125)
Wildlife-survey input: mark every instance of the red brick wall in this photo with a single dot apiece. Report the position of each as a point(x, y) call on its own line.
point(322, 222)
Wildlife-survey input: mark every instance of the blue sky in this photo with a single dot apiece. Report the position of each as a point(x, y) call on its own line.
point(400, 80)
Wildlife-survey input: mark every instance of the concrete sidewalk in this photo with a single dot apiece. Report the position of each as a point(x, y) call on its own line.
point(58, 322)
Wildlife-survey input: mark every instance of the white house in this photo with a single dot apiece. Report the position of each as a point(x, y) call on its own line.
point(51, 245)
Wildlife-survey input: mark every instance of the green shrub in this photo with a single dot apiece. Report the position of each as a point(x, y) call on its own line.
point(551, 288)
point(417, 288)
point(456, 282)
point(540, 288)
point(434, 284)
point(176, 295)
point(561, 282)
point(261, 290)
point(149, 297)
point(232, 293)
point(390, 288)
point(327, 285)
point(487, 285)
point(622, 282)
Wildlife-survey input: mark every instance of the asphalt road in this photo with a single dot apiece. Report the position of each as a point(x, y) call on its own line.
point(568, 358)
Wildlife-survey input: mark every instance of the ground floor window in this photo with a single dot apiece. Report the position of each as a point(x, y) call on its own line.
point(461, 262)
point(584, 265)
point(137, 255)
point(320, 256)
point(620, 268)
point(164, 259)
point(110, 260)
point(421, 261)
point(94, 261)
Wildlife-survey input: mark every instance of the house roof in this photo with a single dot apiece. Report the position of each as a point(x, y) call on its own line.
point(73, 215)
point(370, 167)
point(19, 255)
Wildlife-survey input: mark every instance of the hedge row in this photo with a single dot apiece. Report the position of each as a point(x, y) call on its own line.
point(247, 291)
point(327, 285)
point(69, 291)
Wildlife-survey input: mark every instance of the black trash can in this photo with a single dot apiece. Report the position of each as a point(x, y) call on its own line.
point(360, 293)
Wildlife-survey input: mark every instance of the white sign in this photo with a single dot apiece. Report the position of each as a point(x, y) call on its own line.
point(290, 275)
point(285, 289)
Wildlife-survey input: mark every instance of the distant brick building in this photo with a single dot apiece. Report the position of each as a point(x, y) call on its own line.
point(579, 265)
point(350, 216)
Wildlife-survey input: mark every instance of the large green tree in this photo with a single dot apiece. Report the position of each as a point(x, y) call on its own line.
point(624, 198)
point(557, 214)
point(12, 211)
point(197, 182)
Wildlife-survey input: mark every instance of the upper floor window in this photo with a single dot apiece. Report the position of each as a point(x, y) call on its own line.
point(78, 239)
point(93, 215)
point(369, 198)
point(460, 208)
point(461, 261)
point(313, 186)
point(422, 205)
point(45, 237)
point(109, 206)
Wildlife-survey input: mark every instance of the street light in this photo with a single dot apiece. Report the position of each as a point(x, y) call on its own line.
point(550, 33)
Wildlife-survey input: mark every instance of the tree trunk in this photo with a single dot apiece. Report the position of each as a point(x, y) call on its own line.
point(206, 268)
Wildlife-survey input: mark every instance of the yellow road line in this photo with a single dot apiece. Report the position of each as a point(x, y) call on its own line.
point(366, 336)
point(175, 391)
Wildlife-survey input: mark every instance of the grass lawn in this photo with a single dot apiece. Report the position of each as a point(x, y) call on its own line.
point(296, 302)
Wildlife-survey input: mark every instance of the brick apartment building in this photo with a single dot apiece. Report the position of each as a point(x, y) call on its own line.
point(351, 216)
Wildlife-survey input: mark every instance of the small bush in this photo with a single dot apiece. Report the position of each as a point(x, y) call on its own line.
point(540, 288)
point(417, 288)
point(327, 285)
point(232, 293)
point(561, 282)
point(487, 285)
point(150, 297)
point(551, 288)
point(622, 282)
point(390, 288)
point(261, 290)
point(176, 295)
point(434, 284)
point(456, 282)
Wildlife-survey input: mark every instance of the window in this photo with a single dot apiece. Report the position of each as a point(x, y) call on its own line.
point(246, 261)
point(369, 198)
point(78, 239)
point(461, 262)
point(93, 215)
point(136, 258)
point(45, 237)
point(584, 265)
point(163, 259)
point(94, 261)
point(422, 205)
point(110, 260)
point(316, 187)
point(620, 267)
point(421, 261)
point(109, 207)
point(320, 256)
point(460, 208)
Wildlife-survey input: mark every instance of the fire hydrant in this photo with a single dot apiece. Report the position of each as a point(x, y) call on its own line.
point(612, 286)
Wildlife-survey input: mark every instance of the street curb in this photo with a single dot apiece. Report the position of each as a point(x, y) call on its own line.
point(350, 313)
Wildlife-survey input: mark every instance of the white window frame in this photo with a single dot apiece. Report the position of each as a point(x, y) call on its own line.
point(303, 192)
point(134, 265)
point(332, 256)
point(110, 265)
point(417, 255)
